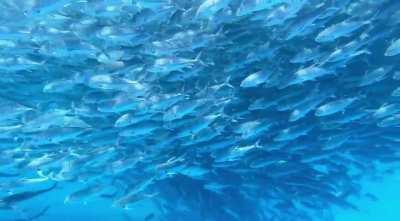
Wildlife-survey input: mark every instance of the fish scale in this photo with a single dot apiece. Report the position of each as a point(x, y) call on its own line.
point(196, 109)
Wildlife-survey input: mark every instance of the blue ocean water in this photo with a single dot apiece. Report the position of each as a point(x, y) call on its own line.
point(199, 110)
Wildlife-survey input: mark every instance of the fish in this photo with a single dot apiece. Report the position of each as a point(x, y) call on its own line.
point(83, 193)
point(61, 86)
point(342, 29)
point(308, 74)
point(130, 198)
point(2, 174)
point(210, 7)
point(252, 129)
point(293, 133)
point(129, 119)
point(33, 180)
point(396, 92)
point(182, 109)
point(396, 75)
point(250, 6)
point(41, 213)
point(262, 52)
point(307, 106)
point(197, 110)
point(375, 75)
point(306, 55)
point(393, 49)
point(392, 121)
point(255, 79)
point(140, 129)
point(164, 66)
point(9, 201)
point(352, 49)
point(385, 110)
point(261, 104)
point(334, 107)
point(238, 152)
point(120, 103)
point(12, 109)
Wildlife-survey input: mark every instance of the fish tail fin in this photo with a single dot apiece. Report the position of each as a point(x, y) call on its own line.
point(67, 200)
point(365, 51)
point(198, 56)
point(198, 59)
point(227, 82)
point(257, 144)
point(376, 15)
point(220, 31)
point(151, 195)
point(55, 184)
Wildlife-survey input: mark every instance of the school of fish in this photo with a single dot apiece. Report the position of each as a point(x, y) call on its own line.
point(213, 110)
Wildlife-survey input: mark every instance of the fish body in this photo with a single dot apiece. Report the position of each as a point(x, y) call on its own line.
point(23, 196)
point(393, 49)
point(334, 107)
point(342, 29)
point(254, 79)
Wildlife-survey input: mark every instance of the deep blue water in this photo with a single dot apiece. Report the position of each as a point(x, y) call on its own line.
point(200, 110)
